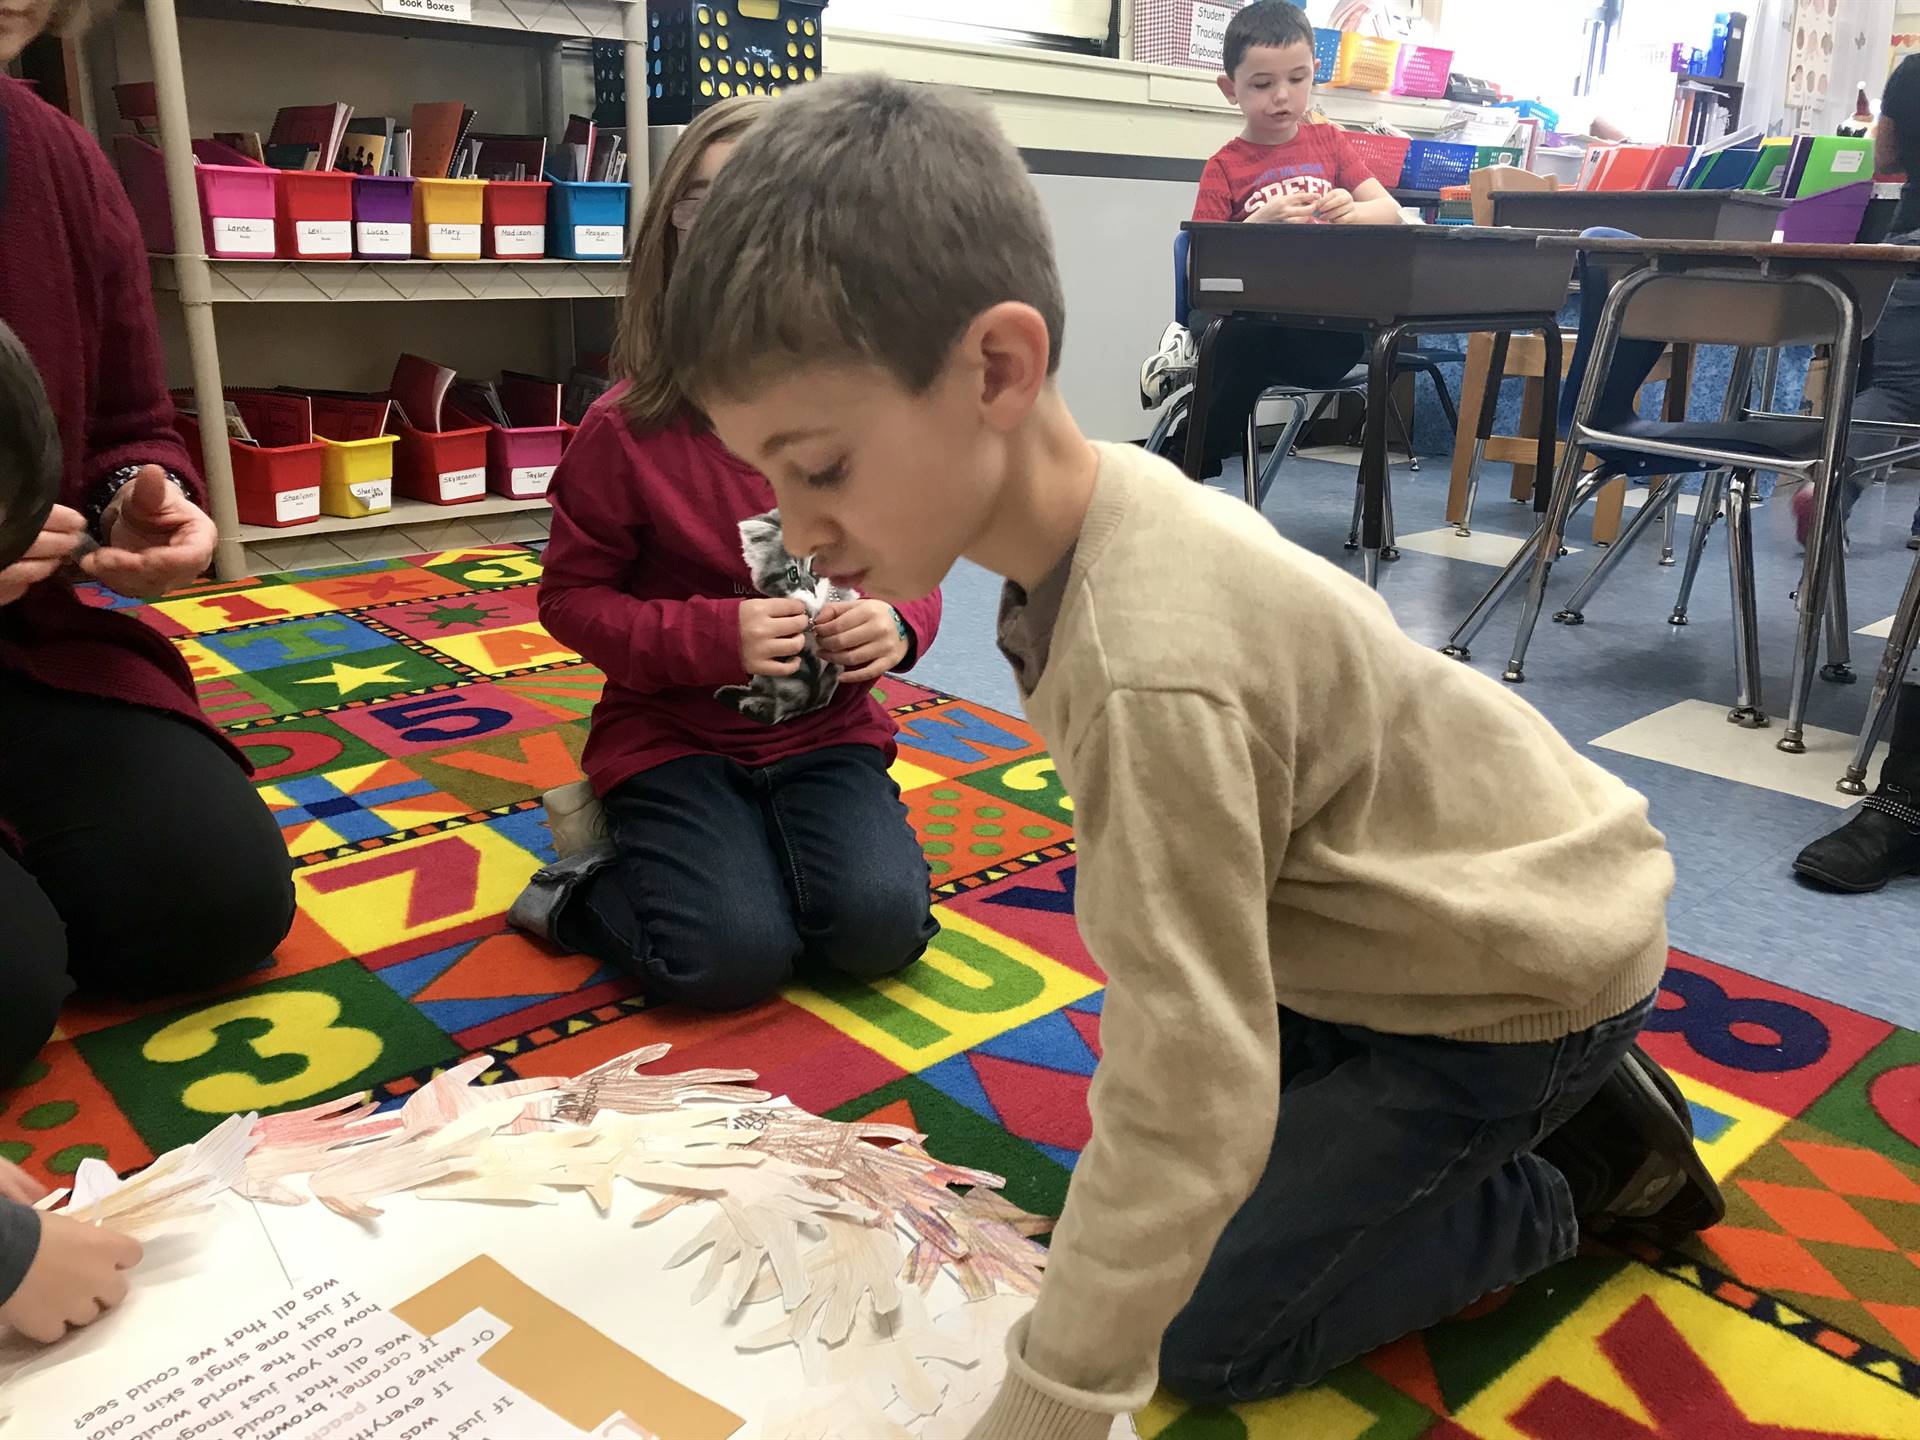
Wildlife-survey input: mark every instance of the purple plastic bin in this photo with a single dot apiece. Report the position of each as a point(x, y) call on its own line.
point(383, 217)
point(1830, 219)
point(236, 201)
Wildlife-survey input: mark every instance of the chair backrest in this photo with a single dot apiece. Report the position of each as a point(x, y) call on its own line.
point(1633, 360)
point(1181, 240)
point(1483, 184)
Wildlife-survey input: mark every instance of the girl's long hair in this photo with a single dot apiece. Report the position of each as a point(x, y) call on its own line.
point(652, 398)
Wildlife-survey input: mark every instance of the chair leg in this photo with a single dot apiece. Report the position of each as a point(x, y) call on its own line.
point(1747, 710)
point(1459, 644)
point(1607, 511)
point(1667, 514)
point(1250, 457)
point(1575, 611)
point(1468, 449)
point(1440, 393)
point(1703, 518)
point(1886, 683)
point(1270, 471)
point(1839, 667)
point(1406, 435)
point(1566, 498)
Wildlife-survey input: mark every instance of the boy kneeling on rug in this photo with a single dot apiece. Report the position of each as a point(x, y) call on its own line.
point(1369, 1032)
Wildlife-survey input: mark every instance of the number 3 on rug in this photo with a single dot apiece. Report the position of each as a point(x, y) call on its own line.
point(292, 1032)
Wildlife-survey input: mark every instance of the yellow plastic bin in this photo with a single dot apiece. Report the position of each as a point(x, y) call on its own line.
point(447, 218)
point(356, 477)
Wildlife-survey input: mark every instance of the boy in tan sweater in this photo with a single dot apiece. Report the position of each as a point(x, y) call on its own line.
point(1378, 940)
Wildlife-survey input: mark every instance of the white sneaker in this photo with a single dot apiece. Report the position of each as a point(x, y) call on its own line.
point(575, 818)
point(1169, 367)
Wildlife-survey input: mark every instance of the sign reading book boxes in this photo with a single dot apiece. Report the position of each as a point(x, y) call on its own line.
point(298, 455)
point(251, 211)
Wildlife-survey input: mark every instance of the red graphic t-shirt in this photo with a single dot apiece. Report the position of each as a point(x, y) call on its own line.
point(1243, 176)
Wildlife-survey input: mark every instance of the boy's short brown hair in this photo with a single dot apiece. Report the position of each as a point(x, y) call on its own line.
point(862, 221)
point(1265, 22)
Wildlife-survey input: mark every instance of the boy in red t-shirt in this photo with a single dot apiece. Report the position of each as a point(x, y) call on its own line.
point(1280, 169)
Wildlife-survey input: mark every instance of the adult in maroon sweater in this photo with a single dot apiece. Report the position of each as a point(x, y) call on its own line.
point(135, 858)
point(739, 852)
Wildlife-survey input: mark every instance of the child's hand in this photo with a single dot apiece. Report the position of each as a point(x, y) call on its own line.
point(18, 1186)
point(1284, 210)
point(77, 1275)
point(1335, 208)
point(863, 638)
point(64, 533)
point(772, 635)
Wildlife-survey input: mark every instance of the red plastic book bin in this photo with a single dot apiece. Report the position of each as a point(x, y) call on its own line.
point(1384, 155)
point(383, 217)
point(515, 218)
point(277, 486)
point(236, 201)
point(441, 467)
point(315, 220)
point(520, 460)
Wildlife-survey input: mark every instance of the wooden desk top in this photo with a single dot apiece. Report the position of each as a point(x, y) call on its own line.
point(1900, 255)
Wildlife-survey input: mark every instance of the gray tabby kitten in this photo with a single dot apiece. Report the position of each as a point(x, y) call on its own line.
point(773, 698)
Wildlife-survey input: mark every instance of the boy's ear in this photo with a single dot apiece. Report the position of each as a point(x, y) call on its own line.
point(1013, 351)
point(1225, 82)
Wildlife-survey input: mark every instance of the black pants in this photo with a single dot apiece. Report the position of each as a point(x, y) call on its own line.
point(1251, 357)
point(147, 865)
point(729, 879)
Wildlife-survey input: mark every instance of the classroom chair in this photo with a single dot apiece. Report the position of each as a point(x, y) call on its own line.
point(1525, 360)
point(1598, 416)
point(1886, 683)
point(1307, 407)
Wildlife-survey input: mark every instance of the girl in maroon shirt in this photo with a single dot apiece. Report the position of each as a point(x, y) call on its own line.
point(735, 851)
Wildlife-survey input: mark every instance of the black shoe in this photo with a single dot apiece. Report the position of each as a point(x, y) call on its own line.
point(537, 911)
point(1629, 1159)
point(1878, 844)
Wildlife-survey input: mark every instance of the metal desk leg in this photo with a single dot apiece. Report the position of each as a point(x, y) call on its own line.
point(1822, 540)
point(1711, 489)
point(1200, 398)
point(1839, 667)
point(1747, 709)
point(1671, 509)
point(1549, 431)
point(1658, 504)
point(1483, 426)
point(1886, 684)
point(1373, 455)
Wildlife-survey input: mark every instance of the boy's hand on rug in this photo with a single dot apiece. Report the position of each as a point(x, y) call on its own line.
point(862, 637)
point(18, 1186)
point(63, 534)
point(1335, 208)
point(77, 1275)
point(1284, 210)
point(772, 635)
point(157, 539)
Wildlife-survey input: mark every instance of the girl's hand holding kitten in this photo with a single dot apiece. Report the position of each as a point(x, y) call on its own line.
point(862, 637)
point(772, 635)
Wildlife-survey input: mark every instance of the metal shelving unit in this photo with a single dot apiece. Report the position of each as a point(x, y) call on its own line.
point(200, 284)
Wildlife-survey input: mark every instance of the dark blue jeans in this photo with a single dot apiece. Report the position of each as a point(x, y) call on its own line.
point(1401, 1187)
point(730, 879)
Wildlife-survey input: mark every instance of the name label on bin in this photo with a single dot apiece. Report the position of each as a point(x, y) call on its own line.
point(243, 237)
point(384, 237)
point(292, 505)
point(430, 9)
point(373, 495)
point(531, 479)
point(598, 239)
point(323, 237)
point(463, 484)
point(459, 239)
point(519, 240)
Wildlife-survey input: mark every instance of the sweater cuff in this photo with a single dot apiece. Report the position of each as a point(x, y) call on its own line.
point(1020, 1412)
point(19, 1243)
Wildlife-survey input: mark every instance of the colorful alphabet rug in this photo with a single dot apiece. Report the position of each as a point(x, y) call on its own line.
point(405, 717)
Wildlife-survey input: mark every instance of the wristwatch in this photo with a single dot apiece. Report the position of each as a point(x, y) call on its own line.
point(104, 494)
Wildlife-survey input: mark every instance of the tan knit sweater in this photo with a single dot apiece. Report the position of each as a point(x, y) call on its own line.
point(1280, 800)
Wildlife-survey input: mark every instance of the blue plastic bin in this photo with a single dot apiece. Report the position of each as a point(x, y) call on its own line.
point(587, 219)
point(1436, 164)
point(1326, 50)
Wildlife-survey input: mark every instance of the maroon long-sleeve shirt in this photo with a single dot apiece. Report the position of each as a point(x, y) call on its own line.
point(644, 577)
point(73, 285)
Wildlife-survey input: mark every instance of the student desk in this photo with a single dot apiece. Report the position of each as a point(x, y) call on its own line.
point(1654, 214)
point(1752, 295)
point(1386, 281)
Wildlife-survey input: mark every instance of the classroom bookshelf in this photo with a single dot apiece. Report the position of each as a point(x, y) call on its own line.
point(207, 291)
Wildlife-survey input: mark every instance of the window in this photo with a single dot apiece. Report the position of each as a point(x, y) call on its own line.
point(1081, 25)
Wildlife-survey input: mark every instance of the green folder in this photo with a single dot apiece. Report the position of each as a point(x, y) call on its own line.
point(1771, 170)
point(1833, 161)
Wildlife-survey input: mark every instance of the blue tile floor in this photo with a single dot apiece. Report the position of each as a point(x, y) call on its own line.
point(1733, 840)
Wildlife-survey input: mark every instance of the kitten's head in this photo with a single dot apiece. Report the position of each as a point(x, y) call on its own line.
point(774, 571)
